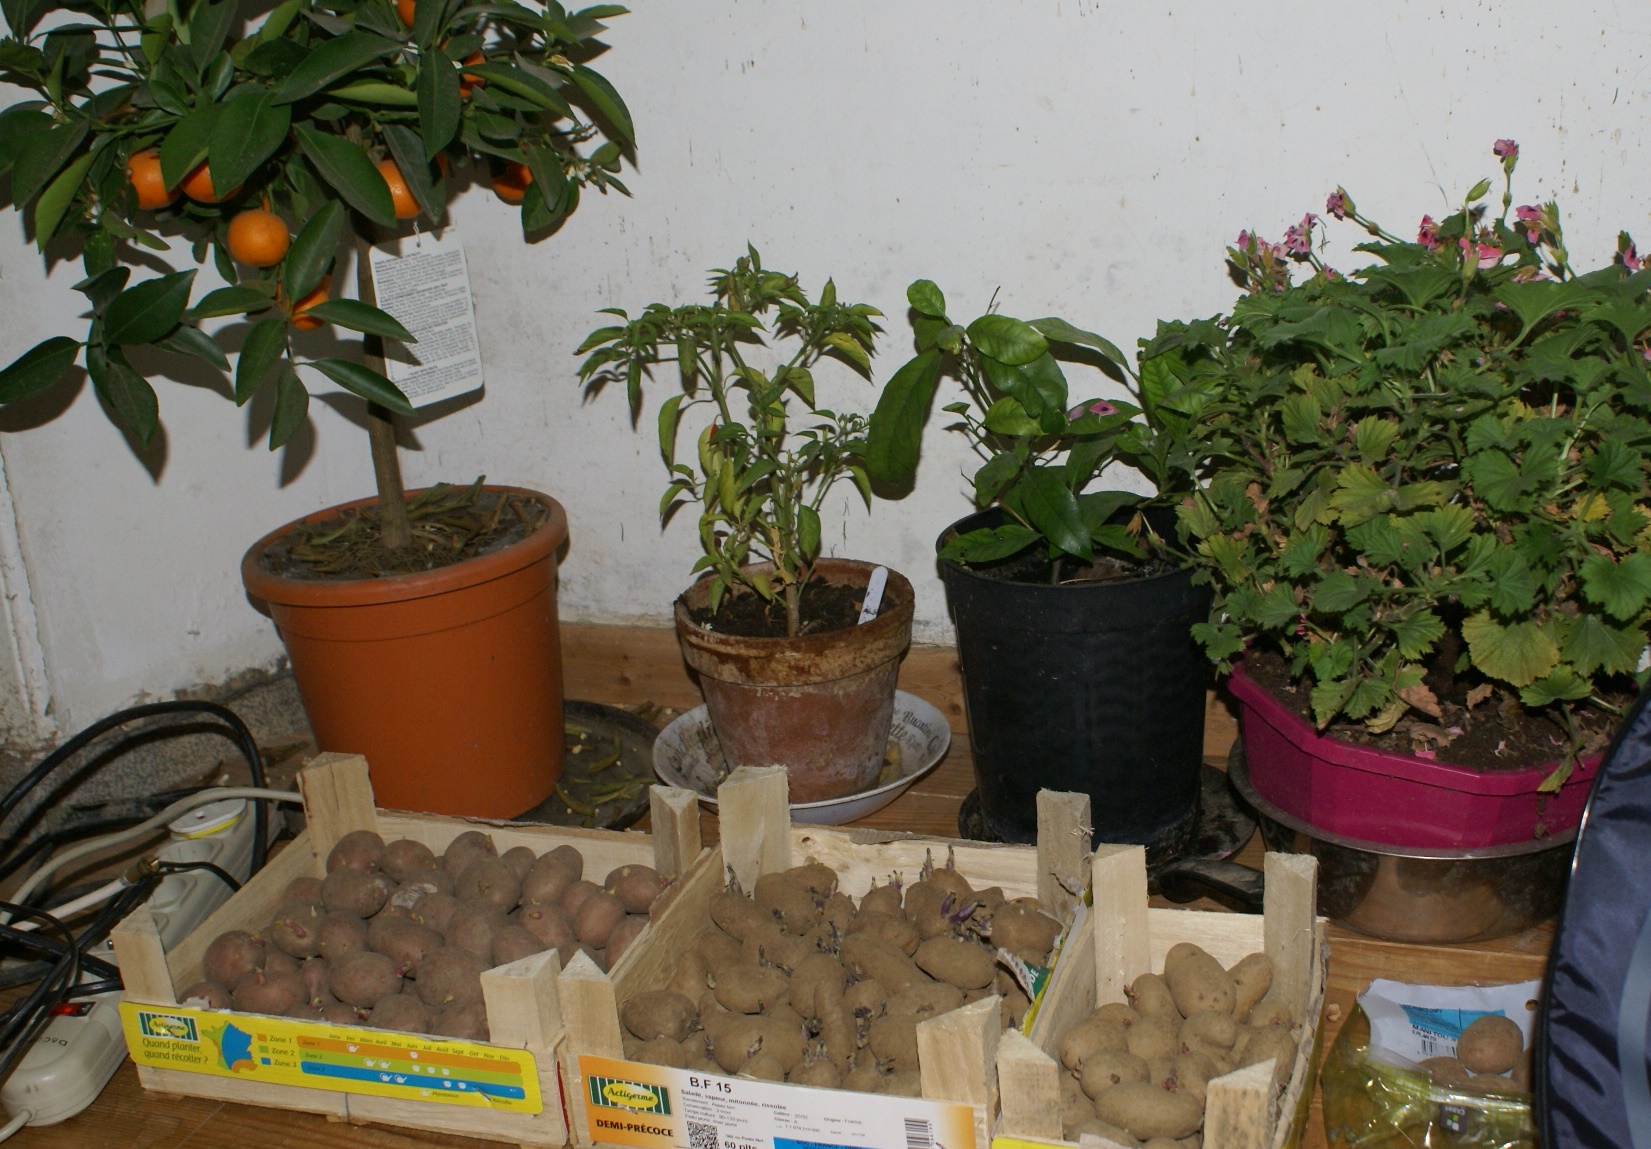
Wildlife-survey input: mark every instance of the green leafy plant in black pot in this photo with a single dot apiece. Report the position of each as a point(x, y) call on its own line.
point(1073, 614)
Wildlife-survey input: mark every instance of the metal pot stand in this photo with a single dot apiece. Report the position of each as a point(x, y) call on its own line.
point(1399, 893)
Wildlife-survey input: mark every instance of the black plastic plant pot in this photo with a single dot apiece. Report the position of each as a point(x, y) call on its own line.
point(1092, 687)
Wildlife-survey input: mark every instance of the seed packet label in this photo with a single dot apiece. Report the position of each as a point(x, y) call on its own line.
point(424, 282)
point(345, 1059)
point(1410, 1023)
point(652, 1107)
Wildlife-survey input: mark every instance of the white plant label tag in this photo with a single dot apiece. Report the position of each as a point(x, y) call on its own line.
point(424, 282)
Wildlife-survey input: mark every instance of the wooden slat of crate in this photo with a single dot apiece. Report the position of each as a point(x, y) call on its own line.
point(524, 1011)
point(957, 1050)
point(1126, 938)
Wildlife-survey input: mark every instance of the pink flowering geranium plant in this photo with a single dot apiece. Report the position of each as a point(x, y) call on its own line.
point(1437, 484)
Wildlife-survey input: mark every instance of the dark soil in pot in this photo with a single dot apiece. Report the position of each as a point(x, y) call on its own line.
point(824, 607)
point(1484, 728)
point(450, 524)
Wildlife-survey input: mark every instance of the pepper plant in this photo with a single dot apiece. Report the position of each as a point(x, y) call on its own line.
point(745, 362)
point(1439, 467)
point(1039, 457)
point(155, 118)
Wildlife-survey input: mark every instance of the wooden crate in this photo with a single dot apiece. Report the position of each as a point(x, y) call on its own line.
point(1124, 938)
point(522, 1005)
point(956, 1051)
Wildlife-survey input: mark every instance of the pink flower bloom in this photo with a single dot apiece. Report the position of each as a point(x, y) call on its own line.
point(1428, 233)
point(1298, 240)
point(1506, 149)
point(1529, 213)
point(1094, 407)
point(1488, 255)
point(1336, 204)
point(1630, 257)
point(1243, 240)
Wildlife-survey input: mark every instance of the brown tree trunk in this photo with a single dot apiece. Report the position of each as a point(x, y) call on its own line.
point(396, 528)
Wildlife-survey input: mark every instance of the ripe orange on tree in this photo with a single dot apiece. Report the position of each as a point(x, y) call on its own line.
point(510, 184)
point(300, 317)
point(258, 238)
point(469, 80)
point(144, 170)
point(404, 9)
point(197, 185)
point(400, 194)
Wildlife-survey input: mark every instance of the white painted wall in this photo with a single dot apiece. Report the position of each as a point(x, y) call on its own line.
point(1088, 159)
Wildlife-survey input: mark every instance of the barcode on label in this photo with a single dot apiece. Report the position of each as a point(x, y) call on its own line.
point(702, 1136)
point(919, 1134)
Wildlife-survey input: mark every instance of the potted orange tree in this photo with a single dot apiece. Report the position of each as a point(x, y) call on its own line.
point(334, 122)
point(793, 671)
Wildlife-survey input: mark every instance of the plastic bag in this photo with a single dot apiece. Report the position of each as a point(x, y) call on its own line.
point(1372, 1105)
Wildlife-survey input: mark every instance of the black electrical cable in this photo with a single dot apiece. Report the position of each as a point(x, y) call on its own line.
point(242, 737)
point(219, 872)
point(49, 840)
point(23, 1023)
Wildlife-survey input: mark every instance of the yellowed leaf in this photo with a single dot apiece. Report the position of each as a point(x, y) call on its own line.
point(1421, 698)
point(1479, 693)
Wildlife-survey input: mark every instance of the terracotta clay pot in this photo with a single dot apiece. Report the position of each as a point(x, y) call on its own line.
point(819, 705)
point(449, 681)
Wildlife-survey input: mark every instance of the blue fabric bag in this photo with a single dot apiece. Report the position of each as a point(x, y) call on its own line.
point(1593, 1088)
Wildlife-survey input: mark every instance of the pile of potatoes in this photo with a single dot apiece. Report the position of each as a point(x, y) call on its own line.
point(797, 983)
point(1490, 1057)
point(1137, 1072)
point(396, 937)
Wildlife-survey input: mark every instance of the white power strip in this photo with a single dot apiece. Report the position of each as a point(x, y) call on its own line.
point(80, 1049)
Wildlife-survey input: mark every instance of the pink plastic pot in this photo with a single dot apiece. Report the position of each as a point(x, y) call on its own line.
point(1396, 799)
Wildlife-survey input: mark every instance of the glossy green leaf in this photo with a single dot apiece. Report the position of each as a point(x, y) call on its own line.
point(100, 289)
point(364, 317)
point(926, 299)
point(525, 84)
point(439, 105)
point(187, 339)
point(377, 93)
point(149, 310)
point(52, 207)
point(127, 393)
point(1053, 511)
point(18, 124)
point(347, 168)
point(314, 249)
point(668, 415)
point(1007, 340)
point(265, 344)
point(292, 407)
point(332, 59)
point(808, 531)
point(209, 27)
point(428, 23)
point(407, 148)
point(986, 546)
point(41, 157)
point(247, 132)
point(896, 430)
point(38, 369)
point(185, 146)
point(1063, 332)
point(606, 101)
point(364, 381)
point(230, 301)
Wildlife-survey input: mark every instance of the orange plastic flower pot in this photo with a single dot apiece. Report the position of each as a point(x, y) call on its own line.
point(449, 681)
